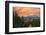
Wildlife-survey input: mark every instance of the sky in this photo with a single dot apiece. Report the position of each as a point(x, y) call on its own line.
point(26, 11)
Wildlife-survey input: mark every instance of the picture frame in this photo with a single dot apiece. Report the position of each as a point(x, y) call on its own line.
point(9, 29)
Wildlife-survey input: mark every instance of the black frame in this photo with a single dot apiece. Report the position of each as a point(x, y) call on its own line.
point(7, 16)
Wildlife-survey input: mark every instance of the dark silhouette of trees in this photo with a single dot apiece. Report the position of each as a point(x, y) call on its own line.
point(16, 21)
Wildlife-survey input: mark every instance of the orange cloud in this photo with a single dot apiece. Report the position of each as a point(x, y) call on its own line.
point(26, 11)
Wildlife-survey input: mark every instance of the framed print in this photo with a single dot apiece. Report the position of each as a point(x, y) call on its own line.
point(24, 17)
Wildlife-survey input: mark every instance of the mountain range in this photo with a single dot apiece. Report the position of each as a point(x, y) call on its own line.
point(26, 18)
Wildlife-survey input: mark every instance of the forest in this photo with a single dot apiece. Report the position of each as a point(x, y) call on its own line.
point(20, 22)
